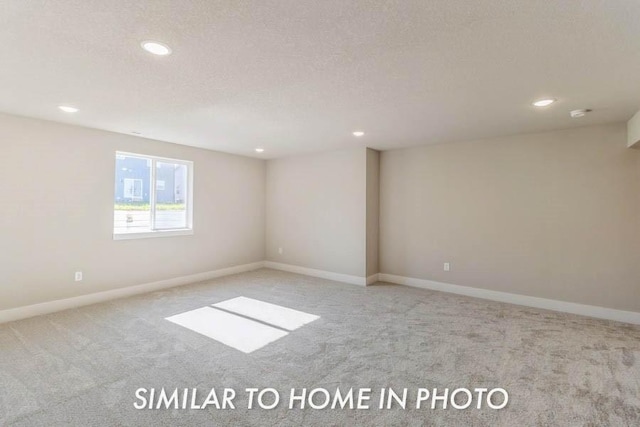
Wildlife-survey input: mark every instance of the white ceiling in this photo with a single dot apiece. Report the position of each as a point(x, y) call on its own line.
point(297, 76)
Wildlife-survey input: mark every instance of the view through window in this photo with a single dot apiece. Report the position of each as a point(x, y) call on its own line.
point(152, 194)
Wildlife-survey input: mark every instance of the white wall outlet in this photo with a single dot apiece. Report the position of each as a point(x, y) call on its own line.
point(78, 276)
point(280, 251)
point(447, 266)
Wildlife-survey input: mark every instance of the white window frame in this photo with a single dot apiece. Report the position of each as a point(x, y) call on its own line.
point(188, 230)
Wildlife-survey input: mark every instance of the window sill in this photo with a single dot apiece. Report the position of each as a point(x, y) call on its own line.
point(152, 234)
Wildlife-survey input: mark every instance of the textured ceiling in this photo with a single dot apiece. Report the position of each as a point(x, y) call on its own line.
point(297, 76)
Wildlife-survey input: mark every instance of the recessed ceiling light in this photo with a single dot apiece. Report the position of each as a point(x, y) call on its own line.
point(156, 48)
point(358, 133)
point(68, 109)
point(544, 102)
point(259, 150)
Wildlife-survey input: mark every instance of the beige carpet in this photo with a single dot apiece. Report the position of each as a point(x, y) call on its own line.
point(81, 367)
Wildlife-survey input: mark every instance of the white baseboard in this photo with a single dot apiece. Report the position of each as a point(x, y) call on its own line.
point(547, 304)
point(79, 301)
point(338, 277)
point(543, 303)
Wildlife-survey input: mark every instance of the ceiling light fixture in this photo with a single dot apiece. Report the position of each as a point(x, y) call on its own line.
point(156, 48)
point(68, 109)
point(358, 133)
point(544, 102)
point(259, 150)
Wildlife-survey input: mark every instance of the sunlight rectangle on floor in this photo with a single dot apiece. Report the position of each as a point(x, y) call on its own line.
point(272, 314)
point(235, 331)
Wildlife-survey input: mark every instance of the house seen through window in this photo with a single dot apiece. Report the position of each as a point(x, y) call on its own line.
point(152, 196)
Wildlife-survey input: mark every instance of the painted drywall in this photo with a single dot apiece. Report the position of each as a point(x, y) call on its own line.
point(56, 214)
point(315, 211)
point(553, 215)
point(373, 209)
point(633, 131)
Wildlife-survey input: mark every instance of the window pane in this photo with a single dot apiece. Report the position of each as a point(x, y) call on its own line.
point(171, 196)
point(132, 211)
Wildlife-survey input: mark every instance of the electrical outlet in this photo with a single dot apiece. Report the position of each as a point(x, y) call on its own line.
point(78, 276)
point(447, 266)
point(280, 251)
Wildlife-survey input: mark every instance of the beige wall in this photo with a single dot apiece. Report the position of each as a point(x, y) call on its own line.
point(553, 215)
point(316, 207)
point(373, 209)
point(56, 214)
point(633, 131)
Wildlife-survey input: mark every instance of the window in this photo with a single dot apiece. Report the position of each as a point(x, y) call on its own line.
point(153, 196)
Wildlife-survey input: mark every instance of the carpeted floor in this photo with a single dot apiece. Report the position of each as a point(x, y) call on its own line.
point(81, 367)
